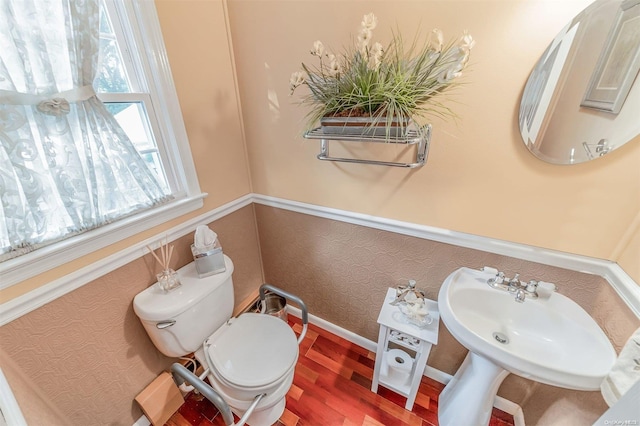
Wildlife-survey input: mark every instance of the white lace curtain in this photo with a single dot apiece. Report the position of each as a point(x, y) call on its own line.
point(66, 166)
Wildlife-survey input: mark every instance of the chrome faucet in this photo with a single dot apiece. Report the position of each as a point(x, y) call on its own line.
point(499, 281)
point(521, 290)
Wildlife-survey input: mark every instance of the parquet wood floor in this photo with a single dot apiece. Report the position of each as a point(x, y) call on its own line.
point(332, 387)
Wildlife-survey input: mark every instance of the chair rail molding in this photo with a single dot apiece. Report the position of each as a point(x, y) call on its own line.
point(34, 299)
point(623, 284)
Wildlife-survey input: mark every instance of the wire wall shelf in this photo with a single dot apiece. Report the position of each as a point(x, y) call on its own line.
point(421, 138)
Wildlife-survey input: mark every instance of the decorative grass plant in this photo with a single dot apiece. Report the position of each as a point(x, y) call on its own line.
point(396, 83)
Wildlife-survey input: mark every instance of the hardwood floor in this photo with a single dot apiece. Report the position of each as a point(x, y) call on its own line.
point(332, 386)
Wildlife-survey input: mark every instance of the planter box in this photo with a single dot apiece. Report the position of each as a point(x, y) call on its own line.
point(362, 126)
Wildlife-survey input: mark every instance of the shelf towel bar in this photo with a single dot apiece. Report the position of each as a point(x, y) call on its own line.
point(421, 138)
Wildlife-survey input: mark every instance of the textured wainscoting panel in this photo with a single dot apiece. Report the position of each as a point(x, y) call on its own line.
point(36, 407)
point(342, 272)
point(89, 353)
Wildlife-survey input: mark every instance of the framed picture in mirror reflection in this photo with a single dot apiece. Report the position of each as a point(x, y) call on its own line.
point(619, 62)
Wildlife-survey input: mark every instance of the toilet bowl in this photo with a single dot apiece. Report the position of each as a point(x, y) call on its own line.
point(246, 356)
point(251, 355)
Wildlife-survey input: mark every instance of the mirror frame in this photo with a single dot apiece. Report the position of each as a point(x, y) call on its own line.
point(566, 117)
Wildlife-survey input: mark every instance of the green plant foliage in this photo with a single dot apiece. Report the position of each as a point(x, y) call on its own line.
point(389, 83)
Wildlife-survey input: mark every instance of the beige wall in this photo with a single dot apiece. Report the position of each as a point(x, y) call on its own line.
point(479, 178)
point(195, 36)
point(342, 272)
point(628, 253)
point(87, 355)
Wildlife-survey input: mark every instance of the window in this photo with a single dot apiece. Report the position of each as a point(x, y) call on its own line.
point(134, 83)
point(125, 93)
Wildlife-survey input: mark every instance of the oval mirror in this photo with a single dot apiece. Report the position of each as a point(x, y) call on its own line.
point(582, 99)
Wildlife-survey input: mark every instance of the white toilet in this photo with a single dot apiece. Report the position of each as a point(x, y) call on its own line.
point(246, 356)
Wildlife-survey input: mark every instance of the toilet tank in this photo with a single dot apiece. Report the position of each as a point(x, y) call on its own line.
point(180, 320)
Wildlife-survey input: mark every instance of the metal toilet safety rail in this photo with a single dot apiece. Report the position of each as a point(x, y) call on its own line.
point(181, 374)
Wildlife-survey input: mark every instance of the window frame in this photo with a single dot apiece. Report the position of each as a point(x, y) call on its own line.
point(142, 34)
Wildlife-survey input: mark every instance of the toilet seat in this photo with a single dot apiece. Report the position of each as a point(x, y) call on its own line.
point(252, 351)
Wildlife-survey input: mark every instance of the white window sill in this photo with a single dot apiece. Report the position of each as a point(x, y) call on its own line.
point(29, 265)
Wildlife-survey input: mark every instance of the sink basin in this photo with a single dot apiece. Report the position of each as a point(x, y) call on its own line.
point(553, 341)
point(550, 340)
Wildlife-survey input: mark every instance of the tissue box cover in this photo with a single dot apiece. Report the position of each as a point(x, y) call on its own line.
point(209, 262)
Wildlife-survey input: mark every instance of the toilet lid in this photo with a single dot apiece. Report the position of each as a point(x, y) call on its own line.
point(254, 350)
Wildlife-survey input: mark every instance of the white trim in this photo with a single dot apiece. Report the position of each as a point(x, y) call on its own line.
point(163, 93)
point(34, 299)
point(501, 403)
point(433, 373)
point(142, 421)
point(9, 408)
point(145, 37)
point(31, 264)
point(139, 20)
point(437, 375)
point(338, 331)
point(518, 416)
point(624, 285)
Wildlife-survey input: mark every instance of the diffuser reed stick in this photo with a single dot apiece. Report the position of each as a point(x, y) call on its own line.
point(167, 279)
point(166, 253)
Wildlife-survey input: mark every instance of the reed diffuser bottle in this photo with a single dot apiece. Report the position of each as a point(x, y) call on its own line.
point(168, 279)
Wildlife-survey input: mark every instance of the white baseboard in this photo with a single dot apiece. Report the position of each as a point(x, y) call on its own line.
point(433, 373)
point(142, 421)
point(338, 331)
point(500, 403)
point(10, 411)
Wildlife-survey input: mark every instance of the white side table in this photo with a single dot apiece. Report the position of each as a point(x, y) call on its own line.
point(394, 329)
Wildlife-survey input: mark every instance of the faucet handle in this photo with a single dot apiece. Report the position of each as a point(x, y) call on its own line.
point(513, 282)
point(532, 286)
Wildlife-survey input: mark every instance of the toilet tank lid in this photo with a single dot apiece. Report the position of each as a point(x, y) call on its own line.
point(152, 304)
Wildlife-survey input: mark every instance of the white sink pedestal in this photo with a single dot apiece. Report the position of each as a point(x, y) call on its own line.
point(468, 398)
point(548, 339)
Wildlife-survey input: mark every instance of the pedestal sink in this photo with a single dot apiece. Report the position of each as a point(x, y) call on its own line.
point(550, 339)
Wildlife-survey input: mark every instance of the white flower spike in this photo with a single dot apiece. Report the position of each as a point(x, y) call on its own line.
point(377, 49)
point(318, 49)
point(437, 39)
point(384, 75)
point(467, 41)
point(297, 78)
point(376, 55)
point(364, 38)
point(334, 66)
point(369, 22)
